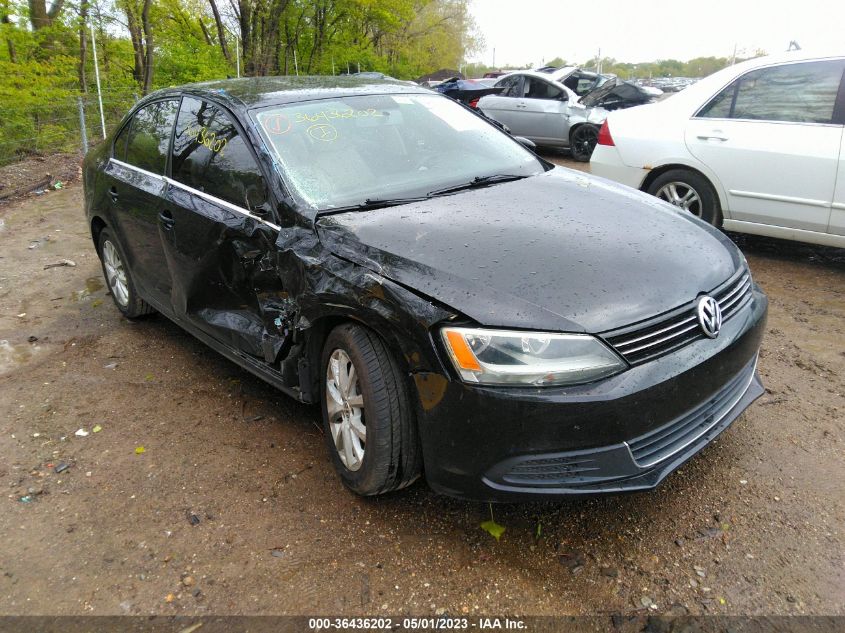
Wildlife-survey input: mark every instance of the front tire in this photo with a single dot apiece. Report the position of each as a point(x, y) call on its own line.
point(689, 191)
point(583, 141)
point(368, 420)
point(119, 279)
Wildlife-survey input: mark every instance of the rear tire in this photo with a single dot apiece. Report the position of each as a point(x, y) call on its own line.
point(690, 191)
point(119, 279)
point(368, 420)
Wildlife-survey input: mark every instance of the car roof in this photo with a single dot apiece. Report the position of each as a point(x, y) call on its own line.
point(247, 93)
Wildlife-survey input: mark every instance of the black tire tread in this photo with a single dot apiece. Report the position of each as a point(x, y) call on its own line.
point(577, 156)
point(713, 215)
point(398, 442)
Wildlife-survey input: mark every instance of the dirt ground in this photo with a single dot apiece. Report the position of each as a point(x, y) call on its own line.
point(233, 507)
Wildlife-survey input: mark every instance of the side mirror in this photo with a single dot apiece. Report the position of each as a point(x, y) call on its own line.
point(526, 143)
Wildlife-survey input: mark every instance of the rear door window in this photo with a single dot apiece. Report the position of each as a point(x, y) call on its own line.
point(148, 136)
point(210, 155)
point(794, 93)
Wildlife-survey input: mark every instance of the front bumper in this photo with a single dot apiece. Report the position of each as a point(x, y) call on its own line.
point(625, 433)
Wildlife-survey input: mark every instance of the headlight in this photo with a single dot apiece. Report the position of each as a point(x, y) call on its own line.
point(503, 357)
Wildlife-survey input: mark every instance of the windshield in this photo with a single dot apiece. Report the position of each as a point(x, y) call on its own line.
point(345, 151)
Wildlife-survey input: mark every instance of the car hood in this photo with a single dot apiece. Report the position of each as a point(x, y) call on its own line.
point(561, 251)
point(616, 94)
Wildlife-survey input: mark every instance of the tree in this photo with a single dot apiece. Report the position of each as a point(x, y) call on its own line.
point(221, 32)
point(40, 15)
point(83, 45)
point(141, 34)
point(6, 25)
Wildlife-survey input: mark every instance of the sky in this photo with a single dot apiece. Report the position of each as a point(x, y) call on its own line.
point(534, 31)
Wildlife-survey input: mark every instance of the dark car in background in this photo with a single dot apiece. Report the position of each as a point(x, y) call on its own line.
point(457, 306)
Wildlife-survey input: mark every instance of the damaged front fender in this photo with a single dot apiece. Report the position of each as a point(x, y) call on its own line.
point(271, 293)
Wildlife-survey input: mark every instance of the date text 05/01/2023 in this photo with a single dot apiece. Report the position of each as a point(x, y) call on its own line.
point(414, 624)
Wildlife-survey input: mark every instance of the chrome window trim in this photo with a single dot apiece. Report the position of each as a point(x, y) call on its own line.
point(835, 58)
point(138, 169)
point(223, 203)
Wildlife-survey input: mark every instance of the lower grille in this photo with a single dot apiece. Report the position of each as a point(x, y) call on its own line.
point(660, 444)
point(668, 332)
point(550, 469)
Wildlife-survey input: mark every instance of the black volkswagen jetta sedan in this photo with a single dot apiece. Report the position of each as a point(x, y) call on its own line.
point(456, 305)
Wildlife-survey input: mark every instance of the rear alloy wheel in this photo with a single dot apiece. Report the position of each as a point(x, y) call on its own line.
point(583, 141)
point(119, 279)
point(367, 417)
point(689, 191)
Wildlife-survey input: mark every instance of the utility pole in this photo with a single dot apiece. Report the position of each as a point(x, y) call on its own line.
point(97, 75)
point(494, 57)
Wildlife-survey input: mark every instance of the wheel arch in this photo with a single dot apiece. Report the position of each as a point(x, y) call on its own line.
point(97, 226)
point(581, 124)
point(319, 330)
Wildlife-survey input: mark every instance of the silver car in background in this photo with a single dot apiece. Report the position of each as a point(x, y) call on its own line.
point(541, 106)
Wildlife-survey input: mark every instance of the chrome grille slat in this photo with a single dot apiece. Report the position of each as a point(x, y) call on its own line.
point(740, 286)
point(737, 307)
point(726, 305)
point(689, 328)
point(656, 332)
point(665, 334)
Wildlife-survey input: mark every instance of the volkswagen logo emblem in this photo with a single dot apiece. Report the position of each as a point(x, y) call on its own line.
point(709, 316)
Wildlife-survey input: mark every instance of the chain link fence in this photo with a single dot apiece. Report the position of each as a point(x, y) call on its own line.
point(66, 124)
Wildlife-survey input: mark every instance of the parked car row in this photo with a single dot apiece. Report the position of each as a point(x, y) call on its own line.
point(667, 84)
point(757, 148)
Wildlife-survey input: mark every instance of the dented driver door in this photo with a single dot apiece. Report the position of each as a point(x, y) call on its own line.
point(218, 250)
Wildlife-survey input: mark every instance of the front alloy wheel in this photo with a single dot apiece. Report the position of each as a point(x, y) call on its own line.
point(369, 423)
point(583, 142)
point(345, 407)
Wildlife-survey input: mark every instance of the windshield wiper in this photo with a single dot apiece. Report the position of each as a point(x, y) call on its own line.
point(478, 181)
point(373, 203)
point(381, 203)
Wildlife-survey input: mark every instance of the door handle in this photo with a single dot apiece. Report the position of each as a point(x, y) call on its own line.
point(113, 194)
point(715, 136)
point(166, 219)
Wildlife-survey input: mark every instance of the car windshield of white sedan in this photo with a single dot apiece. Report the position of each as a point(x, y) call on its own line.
point(345, 151)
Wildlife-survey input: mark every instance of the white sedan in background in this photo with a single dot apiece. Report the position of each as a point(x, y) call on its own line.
point(756, 148)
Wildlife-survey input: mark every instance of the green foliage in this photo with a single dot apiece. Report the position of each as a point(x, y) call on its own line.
point(491, 527)
point(187, 61)
point(41, 82)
